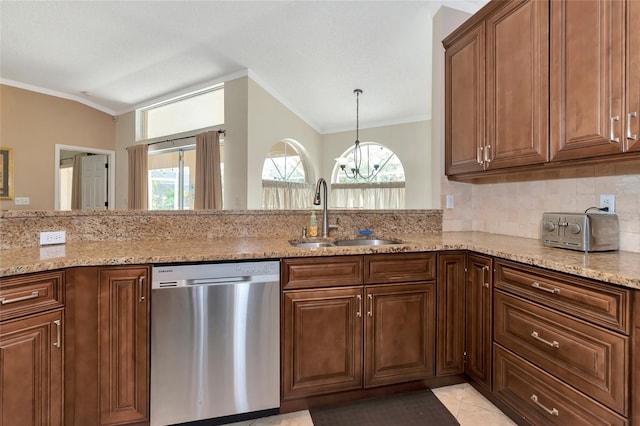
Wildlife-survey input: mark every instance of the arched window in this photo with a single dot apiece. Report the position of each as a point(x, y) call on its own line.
point(384, 189)
point(285, 177)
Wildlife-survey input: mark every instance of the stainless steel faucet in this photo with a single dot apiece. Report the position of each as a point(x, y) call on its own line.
point(325, 212)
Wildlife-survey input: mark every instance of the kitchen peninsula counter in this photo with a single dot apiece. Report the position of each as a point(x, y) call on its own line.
point(620, 268)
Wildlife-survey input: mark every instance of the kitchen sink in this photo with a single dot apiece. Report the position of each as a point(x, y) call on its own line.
point(312, 244)
point(365, 242)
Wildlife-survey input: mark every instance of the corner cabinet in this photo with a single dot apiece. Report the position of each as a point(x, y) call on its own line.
point(497, 90)
point(108, 374)
point(356, 322)
point(538, 84)
point(31, 349)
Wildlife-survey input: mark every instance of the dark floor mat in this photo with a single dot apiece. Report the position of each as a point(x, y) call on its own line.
point(415, 408)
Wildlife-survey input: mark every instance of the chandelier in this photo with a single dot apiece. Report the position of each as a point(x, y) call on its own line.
point(355, 169)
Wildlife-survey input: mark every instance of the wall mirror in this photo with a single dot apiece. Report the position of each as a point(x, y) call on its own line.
point(84, 178)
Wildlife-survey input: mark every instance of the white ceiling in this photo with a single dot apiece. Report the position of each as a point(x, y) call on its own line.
point(309, 54)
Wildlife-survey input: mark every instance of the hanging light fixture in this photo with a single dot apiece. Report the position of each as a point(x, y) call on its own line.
point(356, 171)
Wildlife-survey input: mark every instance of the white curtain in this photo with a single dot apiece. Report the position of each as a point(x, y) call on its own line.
point(387, 195)
point(286, 195)
point(208, 174)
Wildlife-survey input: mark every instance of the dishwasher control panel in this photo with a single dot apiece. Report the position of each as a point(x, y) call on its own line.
point(179, 275)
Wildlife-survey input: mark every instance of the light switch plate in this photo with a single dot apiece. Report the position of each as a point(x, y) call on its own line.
point(449, 201)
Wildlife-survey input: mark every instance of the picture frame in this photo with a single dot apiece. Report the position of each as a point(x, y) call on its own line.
point(6, 174)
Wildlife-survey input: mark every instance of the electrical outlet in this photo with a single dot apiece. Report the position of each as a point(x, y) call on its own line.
point(608, 201)
point(56, 237)
point(22, 201)
point(449, 201)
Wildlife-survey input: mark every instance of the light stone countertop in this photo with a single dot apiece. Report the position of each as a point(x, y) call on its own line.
point(621, 268)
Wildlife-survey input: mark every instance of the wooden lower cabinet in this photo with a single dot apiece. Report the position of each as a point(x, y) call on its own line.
point(107, 378)
point(31, 370)
point(399, 333)
point(479, 308)
point(451, 317)
point(359, 336)
point(321, 341)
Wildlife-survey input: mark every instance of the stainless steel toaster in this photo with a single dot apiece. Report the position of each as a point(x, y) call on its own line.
point(581, 231)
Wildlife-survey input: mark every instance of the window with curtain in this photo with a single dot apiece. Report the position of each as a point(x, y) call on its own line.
point(384, 189)
point(172, 164)
point(285, 177)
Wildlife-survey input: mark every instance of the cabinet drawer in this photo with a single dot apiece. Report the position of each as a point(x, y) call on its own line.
point(28, 294)
point(543, 399)
point(321, 272)
point(592, 359)
point(607, 306)
point(398, 268)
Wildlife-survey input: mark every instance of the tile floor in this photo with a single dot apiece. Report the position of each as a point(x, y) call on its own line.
point(464, 402)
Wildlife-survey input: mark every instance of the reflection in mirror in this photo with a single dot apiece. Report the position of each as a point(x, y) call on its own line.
point(83, 180)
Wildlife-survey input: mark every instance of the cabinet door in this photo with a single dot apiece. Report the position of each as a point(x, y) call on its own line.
point(518, 84)
point(31, 370)
point(400, 333)
point(450, 340)
point(464, 103)
point(587, 75)
point(321, 341)
point(124, 344)
point(478, 319)
point(632, 132)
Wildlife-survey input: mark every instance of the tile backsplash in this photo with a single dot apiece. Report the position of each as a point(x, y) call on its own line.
point(513, 205)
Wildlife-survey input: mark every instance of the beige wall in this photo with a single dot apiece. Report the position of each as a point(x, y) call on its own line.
point(411, 142)
point(32, 124)
point(236, 122)
point(125, 136)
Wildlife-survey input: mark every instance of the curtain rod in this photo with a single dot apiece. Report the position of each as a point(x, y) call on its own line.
point(221, 131)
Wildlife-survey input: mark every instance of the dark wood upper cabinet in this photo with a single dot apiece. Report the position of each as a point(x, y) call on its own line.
point(464, 102)
point(587, 78)
point(517, 94)
point(632, 117)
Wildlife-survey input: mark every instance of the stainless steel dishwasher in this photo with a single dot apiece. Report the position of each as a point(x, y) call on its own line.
point(214, 341)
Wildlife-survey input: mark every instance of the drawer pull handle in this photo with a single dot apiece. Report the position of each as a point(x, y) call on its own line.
point(479, 155)
point(359, 313)
point(58, 343)
point(539, 286)
point(33, 295)
point(370, 312)
point(485, 281)
point(553, 411)
point(553, 344)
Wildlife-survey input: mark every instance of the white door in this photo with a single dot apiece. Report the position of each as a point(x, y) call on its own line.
point(95, 173)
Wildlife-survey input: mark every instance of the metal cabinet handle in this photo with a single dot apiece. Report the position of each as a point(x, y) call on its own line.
point(553, 344)
point(613, 134)
point(487, 157)
point(539, 286)
point(58, 342)
point(485, 282)
point(553, 411)
point(631, 136)
point(370, 312)
point(479, 155)
point(140, 288)
point(359, 313)
point(33, 295)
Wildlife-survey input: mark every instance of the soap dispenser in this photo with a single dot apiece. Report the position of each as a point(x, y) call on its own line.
point(313, 225)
